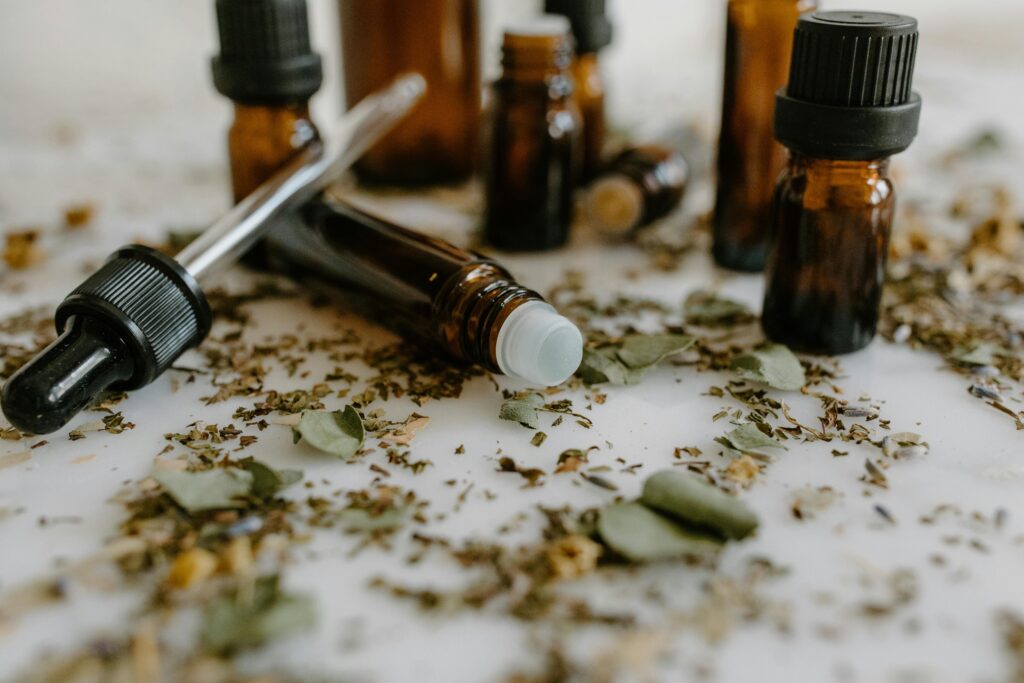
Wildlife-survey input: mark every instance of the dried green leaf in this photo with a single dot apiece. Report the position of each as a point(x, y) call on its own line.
point(359, 519)
point(642, 535)
point(267, 481)
point(233, 622)
point(976, 354)
point(709, 310)
point(207, 490)
point(603, 366)
point(640, 351)
point(694, 501)
point(523, 408)
point(338, 432)
point(748, 438)
point(774, 365)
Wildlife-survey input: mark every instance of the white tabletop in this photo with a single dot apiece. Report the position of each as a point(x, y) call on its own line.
point(157, 163)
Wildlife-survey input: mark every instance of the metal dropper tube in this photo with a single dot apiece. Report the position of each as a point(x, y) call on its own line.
point(128, 322)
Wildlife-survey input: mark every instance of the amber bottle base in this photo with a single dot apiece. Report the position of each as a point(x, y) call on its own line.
point(817, 328)
point(738, 258)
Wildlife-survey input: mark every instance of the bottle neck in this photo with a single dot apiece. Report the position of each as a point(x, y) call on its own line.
point(536, 59)
point(272, 113)
point(837, 170)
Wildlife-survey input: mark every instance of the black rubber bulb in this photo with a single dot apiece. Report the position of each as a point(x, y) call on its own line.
point(120, 329)
point(82, 363)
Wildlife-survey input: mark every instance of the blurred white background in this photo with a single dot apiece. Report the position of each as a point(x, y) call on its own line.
point(110, 61)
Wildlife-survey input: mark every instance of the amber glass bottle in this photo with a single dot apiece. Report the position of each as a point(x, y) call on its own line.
point(533, 160)
point(592, 32)
point(759, 36)
point(639, 186)
point(842, 115)
point(439, 39)
point(461, 302)
point(266, 66)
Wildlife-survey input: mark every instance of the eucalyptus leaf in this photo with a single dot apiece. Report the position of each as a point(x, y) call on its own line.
point(642, 535)
point(267, 481)
point(976, 354)
point(709, 310)
point(693, 500)
point(523, 408)
point(358, 519)
point(338, 432)
point(644, 350)
point(207, 490)
point(235, 622)
point(774, 365)
point(747, 438)
point(602, 366)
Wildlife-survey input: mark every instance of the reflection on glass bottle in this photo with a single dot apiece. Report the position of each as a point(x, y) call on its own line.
point(533, 160)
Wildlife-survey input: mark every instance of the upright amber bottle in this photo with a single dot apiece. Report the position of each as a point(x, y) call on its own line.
point(639, 186)
point(759, 35)
point(534, 139)
point(592, 32)
point(439, 39)
point(266, 66)
point(848, 107)
point(461, 302)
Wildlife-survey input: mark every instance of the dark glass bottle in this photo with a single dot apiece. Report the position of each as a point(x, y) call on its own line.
point(639, 186)
point(593, 32)
point(463, 303)
point(843, 114)
point(267, 68)
point(533, 160)
point(439, 39)
point(758, 40)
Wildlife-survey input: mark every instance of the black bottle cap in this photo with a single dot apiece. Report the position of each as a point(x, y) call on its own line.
point(590, 25)
point(265, 56)
point(119, 329)
point(849, 94)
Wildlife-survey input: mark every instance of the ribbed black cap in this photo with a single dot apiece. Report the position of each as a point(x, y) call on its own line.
point(849, 92)
point(590, 25)
point(265, 55)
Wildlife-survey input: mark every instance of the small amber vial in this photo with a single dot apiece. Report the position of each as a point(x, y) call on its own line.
point(535, 128)
point(759, 35)
point(639, 186)
point(267, 68)
point(439, 39)
point(844, 112)
point(593, 32)
point(428, 289)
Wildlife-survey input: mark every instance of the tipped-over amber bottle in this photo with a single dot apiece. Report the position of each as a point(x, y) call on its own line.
point(639, 186)
point(533, 160)
point(593, 32)
point(438, 39)
point(759, 35)
point(844, 112)
point(461, 302)
point(266, 66)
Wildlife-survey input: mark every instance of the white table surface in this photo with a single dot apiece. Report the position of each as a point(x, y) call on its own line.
point(158, 165)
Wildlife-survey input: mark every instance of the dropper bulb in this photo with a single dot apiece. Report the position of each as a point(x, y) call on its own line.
point(45, 394)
